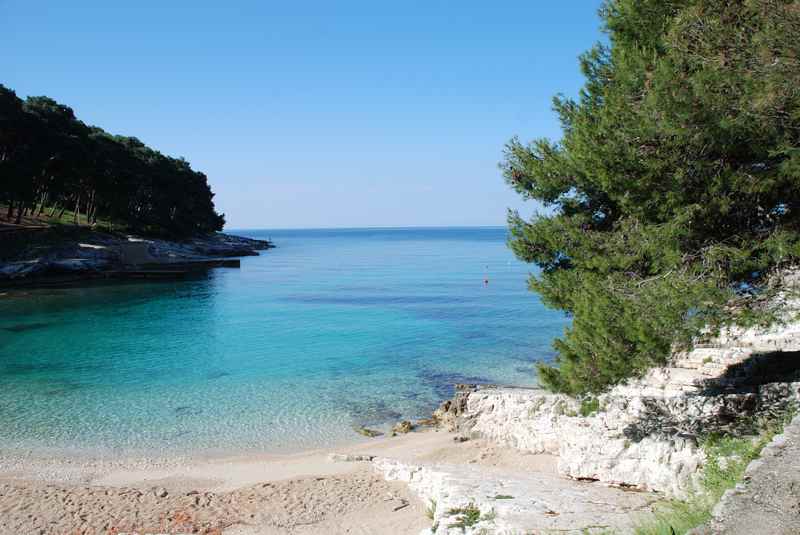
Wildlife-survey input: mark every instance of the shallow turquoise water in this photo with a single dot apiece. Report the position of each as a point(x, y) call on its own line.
point(332, 329)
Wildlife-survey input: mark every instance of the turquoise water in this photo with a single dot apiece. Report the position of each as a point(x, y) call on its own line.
point(330, 330)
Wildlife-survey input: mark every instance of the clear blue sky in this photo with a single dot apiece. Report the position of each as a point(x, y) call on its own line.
point(314, 114)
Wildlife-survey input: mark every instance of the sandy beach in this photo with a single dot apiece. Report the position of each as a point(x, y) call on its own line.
point(305, 493)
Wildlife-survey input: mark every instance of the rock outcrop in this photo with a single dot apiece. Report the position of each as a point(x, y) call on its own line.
point(85, 252)
point(644, 434)
point(479, 499)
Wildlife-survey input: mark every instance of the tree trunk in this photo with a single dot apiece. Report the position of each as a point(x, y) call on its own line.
point(10, 212)
point(90, 209)
point(43, 202)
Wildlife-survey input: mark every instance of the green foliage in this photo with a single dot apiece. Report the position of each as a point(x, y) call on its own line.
point(676, 518)
point(589, 406)
point(53, 165)
point(468, 516)
point(675, 187)
point(727, 458)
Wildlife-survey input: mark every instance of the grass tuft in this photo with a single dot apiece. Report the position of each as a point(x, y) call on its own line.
point(727, 458)
point(468, 516)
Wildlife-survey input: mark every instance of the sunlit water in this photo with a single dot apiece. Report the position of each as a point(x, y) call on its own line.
point(332, 329)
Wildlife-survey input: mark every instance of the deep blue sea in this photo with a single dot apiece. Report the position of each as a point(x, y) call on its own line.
point(330, 330)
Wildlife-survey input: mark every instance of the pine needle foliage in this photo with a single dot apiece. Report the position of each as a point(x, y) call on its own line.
point(675, 186)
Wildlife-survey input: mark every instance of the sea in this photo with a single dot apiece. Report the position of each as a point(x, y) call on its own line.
point(330, 331)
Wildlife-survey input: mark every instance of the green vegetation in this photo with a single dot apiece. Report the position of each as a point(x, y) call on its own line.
point(468, 516)
point(727, 458)
point(55, 167)
point(589, 406)
point(675, 187)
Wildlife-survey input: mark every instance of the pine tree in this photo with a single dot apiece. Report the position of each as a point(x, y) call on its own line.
point(49, 158)
point(676, 183)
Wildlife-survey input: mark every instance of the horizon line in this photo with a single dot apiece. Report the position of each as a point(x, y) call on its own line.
point(408, 227)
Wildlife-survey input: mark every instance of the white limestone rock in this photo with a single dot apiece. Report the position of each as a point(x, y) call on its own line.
point(644, 435)
point(515, 503)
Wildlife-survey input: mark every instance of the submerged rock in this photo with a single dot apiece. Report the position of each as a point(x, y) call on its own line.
point(186, 410)
point(217, 374)
point(403, 427)
point(370, 433)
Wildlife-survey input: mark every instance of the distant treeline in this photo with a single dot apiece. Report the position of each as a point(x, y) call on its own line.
point(52, 163)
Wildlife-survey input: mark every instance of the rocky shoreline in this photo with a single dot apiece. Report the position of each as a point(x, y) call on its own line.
point(33, 257)
point(645, 435)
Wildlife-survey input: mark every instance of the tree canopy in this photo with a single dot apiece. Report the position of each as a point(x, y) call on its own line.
point(50, 160)
point(675, 186)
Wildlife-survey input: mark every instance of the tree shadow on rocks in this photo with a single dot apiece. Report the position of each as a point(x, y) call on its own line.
point(758, 369)
point(738, 402)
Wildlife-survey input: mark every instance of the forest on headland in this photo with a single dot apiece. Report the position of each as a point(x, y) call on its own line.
point(52, 163)
point(674, 193)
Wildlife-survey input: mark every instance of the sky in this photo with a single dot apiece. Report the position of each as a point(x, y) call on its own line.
point(315, 114)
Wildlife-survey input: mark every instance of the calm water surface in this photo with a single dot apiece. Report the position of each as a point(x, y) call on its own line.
point(333, 329)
